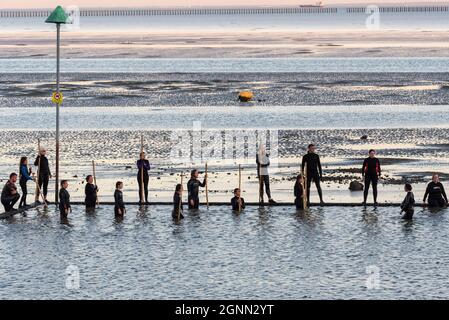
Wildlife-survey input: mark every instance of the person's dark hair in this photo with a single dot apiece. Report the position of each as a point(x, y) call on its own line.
point(235, 190)
point(88, 177)
point(408, 187)
point(310, 146)
point(117, 184)
point(23, 159)
point(178, 187)
point(63, 182)
point(371, 150)
point(192, 173)
point(12, 175)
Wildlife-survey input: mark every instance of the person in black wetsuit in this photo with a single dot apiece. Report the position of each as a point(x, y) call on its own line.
point(64, 200)
point(237, 203)
point(177, 203)
point(371, 173)
point(298, 191)
point(9, 195)
point(24, 177)
point(143, 164)
point(263, 162)
point(314, 171)
point(44, 173)
point(436, 193)
point(119, 208)
point(193, 187)
point(90, 191)
point(408, 203)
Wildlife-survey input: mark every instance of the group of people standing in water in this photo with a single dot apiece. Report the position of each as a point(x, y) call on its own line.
point(311, 171)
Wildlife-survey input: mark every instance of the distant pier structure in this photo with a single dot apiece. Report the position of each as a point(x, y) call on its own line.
point(117, 12)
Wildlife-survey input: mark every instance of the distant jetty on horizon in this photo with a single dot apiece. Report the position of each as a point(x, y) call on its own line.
point(316, 8)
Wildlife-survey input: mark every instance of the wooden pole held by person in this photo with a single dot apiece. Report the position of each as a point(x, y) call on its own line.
point(180, 201)
point(240, 187)
point(304, 178)
point(38, 174)
point(142, 194)
point(207, 189)
point(95, 182)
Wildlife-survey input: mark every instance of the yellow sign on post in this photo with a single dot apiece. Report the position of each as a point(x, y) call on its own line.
point(57, 98)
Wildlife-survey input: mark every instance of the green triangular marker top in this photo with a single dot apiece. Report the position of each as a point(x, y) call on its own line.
point(57, 16)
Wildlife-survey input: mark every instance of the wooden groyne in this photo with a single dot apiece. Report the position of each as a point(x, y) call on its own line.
point(117, 12)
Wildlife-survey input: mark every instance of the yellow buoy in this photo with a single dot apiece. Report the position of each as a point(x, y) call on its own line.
point(246, 96)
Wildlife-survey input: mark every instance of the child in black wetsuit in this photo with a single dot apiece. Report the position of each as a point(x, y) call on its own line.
point(177, 203)
point(119, 208)
point(90, 192)
point(193, 186)
point(64, 199)
point(408, 203)
point(435, 192)
point(299, 192)
point(237, 203)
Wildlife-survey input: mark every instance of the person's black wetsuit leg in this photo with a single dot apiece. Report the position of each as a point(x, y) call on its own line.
point(10, 201)
point(145, 182)
point(299, 203)
point(366, 189)
point(316, 179)
point(374, 181)
point(309, 184)
point(23, 200)
point(266, 180)
point(43, 184)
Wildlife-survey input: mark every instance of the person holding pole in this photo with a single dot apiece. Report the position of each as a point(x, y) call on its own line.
point(143, 166)
point(10, 196)
point(263, 162)
point(193, 186)
point(64, 200)
point(90, 191)
point(298, 191)
point(43, 172)
point(311, 161)
point(177, 203)
point(24, 177)
point(237, 203)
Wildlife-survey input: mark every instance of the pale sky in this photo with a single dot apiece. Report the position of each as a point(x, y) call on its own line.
point(166, 3)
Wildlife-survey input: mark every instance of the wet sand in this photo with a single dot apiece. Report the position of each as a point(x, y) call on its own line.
point(228, 44)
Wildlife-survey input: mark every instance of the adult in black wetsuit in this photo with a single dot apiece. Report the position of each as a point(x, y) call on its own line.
point(314, 171)
point(64, 200)
point(44, 173)
point(237, 203)
point(408, 203)
point(371, 173)
point(177, 203)
point(193, 189)
point(9, 193)
point(143, 164)
point(119, 208)
point(298, 191)
point(90, 192)
point(436, 193)
point(24, 177)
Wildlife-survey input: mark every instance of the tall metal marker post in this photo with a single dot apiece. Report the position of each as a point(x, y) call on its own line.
point(58, 16)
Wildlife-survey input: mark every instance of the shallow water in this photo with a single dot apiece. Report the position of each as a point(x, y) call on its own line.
point(271, 253)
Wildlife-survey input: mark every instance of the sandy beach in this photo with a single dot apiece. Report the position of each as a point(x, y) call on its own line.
point(235, 44)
